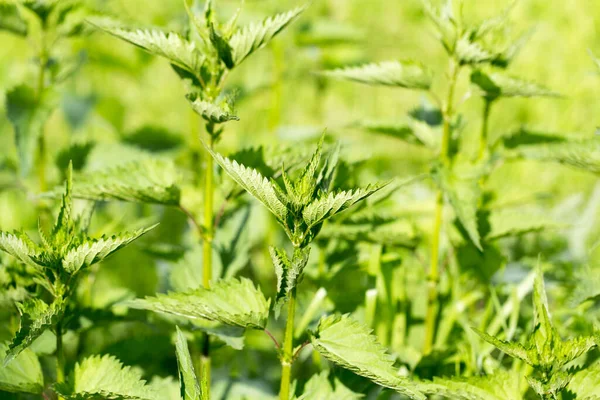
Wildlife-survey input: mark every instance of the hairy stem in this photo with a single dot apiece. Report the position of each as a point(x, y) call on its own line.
point(287, 356)
point(483, 139)
point(433, 278)
point(60, 356)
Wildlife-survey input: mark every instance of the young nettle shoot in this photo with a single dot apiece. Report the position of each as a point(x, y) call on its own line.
point(57, 264)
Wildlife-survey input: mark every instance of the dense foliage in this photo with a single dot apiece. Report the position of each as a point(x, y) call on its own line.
point(212, 200)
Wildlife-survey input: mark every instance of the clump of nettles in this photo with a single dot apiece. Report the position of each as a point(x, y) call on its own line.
point(544, 350)
point(57, 264)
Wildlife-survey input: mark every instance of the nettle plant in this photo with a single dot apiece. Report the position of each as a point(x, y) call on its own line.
point(57, 265)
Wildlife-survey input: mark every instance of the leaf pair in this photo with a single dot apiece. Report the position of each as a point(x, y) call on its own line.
point(306, 201)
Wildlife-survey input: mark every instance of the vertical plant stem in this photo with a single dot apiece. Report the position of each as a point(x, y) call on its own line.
point(60, 356)
point(207, 258)
point(41, 168)
point(433, 278)
point(483, 139)
point(288, 346)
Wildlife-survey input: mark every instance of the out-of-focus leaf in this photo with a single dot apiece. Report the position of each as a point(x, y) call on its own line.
point(22, 374)
point(405, 74)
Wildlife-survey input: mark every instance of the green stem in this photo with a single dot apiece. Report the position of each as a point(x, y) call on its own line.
point(60, 356)
point(433, 278)
point(39, 93)
point(287, 355)
point(207, 258)
point(483, 139)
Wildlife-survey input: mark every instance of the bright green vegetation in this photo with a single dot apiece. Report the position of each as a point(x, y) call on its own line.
point(214, 200)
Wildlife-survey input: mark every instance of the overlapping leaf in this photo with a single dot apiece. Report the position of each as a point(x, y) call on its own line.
point(105, 377)
point(501, 385)
point(231, 301)
point(212, 112)
point(22, 374)
point(406, 74)
point(256, 35)
point(584, 384)
point(149, 180)
point(346, 342)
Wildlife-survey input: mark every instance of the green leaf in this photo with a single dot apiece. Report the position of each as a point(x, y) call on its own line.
point(513, 222)
point(405, 74)
point(411, 131)
point(11, 21)
point(36, 317)
point(515, 350)
point(28, 111)
point(500, 85)
point(583, 154)
point(232, 302)
point(250, 38)
point(104, 377)
point(180, 52)
point(472, 53)
point(223, 48)
point(92, 251)
point(319, 387)
point(212, 112)
point(347, 343)
point(289, 273)
point(584, 383)
point(334, 203)
point(151, 180)
point(254, 183)
point(23, 374)
point(19, 246)
point(501, 385)
point(463, 193)
point(188, 381)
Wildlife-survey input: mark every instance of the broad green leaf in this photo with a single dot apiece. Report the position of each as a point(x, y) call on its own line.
point(347, 343)
point(250, 38)
point(583, 154)
point(92, 251)
point(223, 48)
point(463, 194)
point(104, 377)
point(512, 222)
point(177, 50)
point(405, 74)
point(19, 246)
point(497, 85)
point(28, 111)
point(334, 203)
point(22, 374)
point(232, 302)
point(36, 317)
point(501, 385)
point(319, 387)
point(150, 180)
point(524, 137)
point(288, 272)
point(254, 183)
point(188, 380)
point(215, 113)
point(584, 384)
